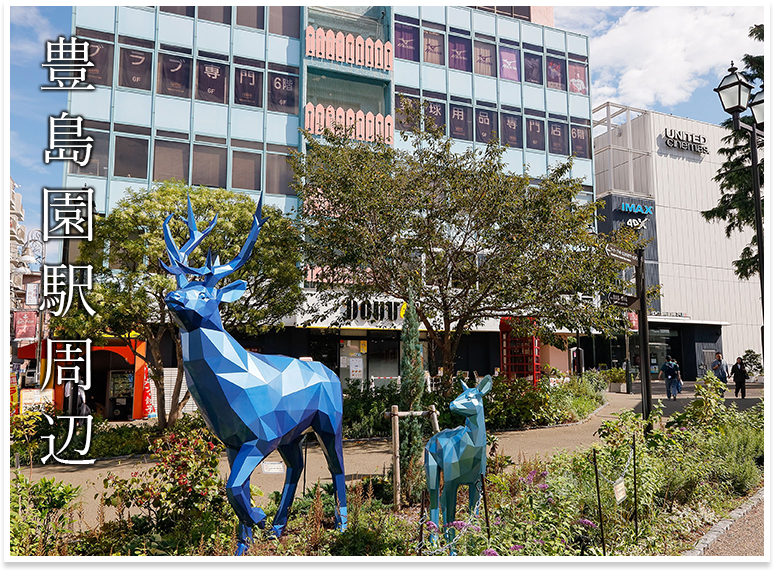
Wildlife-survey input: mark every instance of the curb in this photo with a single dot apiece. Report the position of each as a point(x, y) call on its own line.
point(722, 526)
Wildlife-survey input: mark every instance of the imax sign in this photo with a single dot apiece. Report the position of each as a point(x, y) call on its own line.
point(636, 208)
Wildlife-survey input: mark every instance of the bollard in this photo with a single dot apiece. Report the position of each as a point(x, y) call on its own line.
point(434, 419)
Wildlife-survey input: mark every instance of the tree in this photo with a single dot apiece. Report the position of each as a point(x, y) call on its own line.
point(130, 284)
point(471, 240)
point(736, 205)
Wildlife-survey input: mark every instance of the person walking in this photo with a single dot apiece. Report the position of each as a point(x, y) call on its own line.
point(720, 368)
point(739, 374)
point(671, 371)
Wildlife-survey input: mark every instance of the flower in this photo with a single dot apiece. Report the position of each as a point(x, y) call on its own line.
point(458, 525)
point(516, 547)
point(683, 429)
point(490, 552)
point(498, 521)
point(431, 526)
point(587, 523)
point(540, 541)
point(543, 486)
point(551, 501)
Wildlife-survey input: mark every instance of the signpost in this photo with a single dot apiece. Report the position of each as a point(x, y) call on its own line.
point(640, 303)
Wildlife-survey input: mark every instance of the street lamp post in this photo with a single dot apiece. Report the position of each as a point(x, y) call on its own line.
point(734, 92)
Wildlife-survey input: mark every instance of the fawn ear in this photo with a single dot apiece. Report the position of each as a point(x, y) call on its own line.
point(485, 385)
point(232, 291)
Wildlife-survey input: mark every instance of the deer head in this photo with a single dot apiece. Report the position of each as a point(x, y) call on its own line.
point(471, 401)
point(196, 303)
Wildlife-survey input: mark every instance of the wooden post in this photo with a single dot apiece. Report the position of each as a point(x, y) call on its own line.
point(599, 503)
point(486, 504)
point(434, 419)
point(395, 458)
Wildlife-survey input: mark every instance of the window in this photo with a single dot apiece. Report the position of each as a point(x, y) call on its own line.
point(509, 64)
point(435, 113)
point(212, 81)
point(174, 75)
point(130, 158)
point(434, 48)
point(511, 130)
point(406, 42)
point(209, 166)
point(581, 142)
point(556, 74)
point(460, 122)
point(536, 138)
point(557, 138)
point(485, 59)
point(246, 171)
point(101, 55)
point(248, 87)
point(285, 21)
point(170, 160)
point(98, 161)
point(401, 121)
point(578, 73)
point(486, 124)
point(180, 10)
point(218, 14)
point(250, 17)
point(279, 175)
point(135, 68)
point(283, 93)
point(533, 68)
point(356, 95)
point(459, 53)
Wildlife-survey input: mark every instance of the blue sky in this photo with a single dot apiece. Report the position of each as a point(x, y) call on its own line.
point(659, 58)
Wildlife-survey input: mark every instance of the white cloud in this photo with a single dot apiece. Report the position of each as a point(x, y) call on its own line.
point(31, 32)
point(658, 56)
point(27, 157)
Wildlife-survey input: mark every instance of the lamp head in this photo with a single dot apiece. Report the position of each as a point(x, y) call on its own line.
point(734, 91)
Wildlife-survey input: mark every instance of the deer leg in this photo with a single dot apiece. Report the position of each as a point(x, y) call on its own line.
point(293, 456)
point(449, 508)
point(333, 449)
point(243, 462)
point(473, 495)
point(433, 473)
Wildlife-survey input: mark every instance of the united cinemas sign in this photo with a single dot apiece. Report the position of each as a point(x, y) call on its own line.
point(687, 141)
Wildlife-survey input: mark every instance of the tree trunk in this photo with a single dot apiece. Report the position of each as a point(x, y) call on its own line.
point(176, 406)
point(157, 374)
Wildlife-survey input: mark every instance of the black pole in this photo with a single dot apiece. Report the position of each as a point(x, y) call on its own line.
point(758, 211)
point(421, 518)
point(486, 504)
point(636, 505)
point(647, 399)
point(628, 377)
point(599, 503)
point(306, 442)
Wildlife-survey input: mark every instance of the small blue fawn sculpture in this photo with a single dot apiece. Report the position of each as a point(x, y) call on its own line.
point(460, 453)
point(254, 403)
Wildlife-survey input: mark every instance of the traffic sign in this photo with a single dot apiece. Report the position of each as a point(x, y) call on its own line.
point(622, 300)
point(620, 254)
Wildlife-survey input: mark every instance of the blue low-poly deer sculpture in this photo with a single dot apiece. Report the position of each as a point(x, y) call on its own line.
point(254, 403)
point(460, 453)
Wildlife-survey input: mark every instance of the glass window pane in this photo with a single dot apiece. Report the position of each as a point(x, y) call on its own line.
point(283, 93)
point(170, 160)
point(581, 142)
point(511, 130)
point(486, 124)
point(406, 42)
point(401, 102)
point(130, 158)
point(279, 175)
point(556, 75)
point(459, 53)
point(246, 171)
point(181, 10)
point(557, 138)
point(135, 68)
point(101, 55)
point(533, 68)
point(98, 161)
point(578, 78)
point(460, 122)
point(509, 64)
point(486, 59)
point(434, 48)
point(356, 95)
point(209, 166)
point(435, 113)
point(248, 87)
point(285, 20)
point(219, 14)
point(250, 16)
point(174, 76)
point(212, 81)
point(536, 137)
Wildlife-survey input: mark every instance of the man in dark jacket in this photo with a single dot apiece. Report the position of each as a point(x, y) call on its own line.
point(739, 374)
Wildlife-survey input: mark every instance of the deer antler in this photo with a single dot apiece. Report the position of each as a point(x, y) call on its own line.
point(211, 271)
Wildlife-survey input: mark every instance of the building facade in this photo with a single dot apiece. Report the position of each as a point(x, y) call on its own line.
point(215, 96)
point(655, 172)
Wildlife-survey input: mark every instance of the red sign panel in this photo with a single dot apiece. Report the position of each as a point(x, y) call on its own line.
point(25, 324)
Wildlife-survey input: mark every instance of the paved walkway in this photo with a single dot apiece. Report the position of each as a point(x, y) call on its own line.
point(366, 457)
point(744, 538)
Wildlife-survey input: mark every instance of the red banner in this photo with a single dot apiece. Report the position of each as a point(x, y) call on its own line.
point(634, 320)
point(25, 324)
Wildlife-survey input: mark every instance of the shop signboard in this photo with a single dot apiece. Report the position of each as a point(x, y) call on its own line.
point(25, 324)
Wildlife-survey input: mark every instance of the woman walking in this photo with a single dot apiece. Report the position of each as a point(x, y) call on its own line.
point(739, 374)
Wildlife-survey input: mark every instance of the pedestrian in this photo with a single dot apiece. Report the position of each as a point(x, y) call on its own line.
point(720, 368)
point(671, 371)
point(739, 374)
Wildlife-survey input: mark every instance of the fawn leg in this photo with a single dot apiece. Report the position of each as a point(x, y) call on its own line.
point(433, 473)
point(333, 449)
point(473, 495)
point(449, 508)
point(293, 456)
point(243, 462)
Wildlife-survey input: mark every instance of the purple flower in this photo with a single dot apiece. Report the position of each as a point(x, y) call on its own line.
point(551, 501)
point(586, 522)
point(683, 429)
point(498, 521)
point(431, 526)
point(458, 525)
point(540, 541)
point(516, 547)
point(531, 476)
point(544, 473)
point(490, 552)
point(543, 486)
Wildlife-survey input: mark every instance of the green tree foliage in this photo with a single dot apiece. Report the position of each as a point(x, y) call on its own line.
point(472, 240)
point(130, 284)
point(736, 206)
